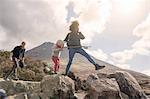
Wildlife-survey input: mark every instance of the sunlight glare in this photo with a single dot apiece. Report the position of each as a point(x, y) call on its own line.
point(128, 6)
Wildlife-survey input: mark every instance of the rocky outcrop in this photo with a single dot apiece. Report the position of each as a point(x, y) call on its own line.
point(51, 87)
point(59, 87)
point(129, 85)
point(103, 89)
point(120, 85)
point(145, 84)
point(16, 87)
point(21, 96)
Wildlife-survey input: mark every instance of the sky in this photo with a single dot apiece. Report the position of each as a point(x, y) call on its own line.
point(118, 31)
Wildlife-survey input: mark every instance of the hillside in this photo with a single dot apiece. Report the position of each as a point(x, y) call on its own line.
point(32, 72)
point(44, 51)
point(80, 63)
point(36, 58)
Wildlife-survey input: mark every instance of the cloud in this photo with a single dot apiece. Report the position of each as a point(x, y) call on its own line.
point(37, 21)
point(93, 16)
point(123, 66)
point(71, 12)
point(147, 72)
point(140, 47)
point(33, 21)
point(99, 54)
point(118, 60)
point(143, 32)
point(2, 37)
point(2, 34)
point(123, 56)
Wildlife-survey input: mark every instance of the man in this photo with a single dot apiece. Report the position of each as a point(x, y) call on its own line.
point(74, 46)
point(17, 56)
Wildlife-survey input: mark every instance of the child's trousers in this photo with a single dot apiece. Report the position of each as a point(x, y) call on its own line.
point(56, 61)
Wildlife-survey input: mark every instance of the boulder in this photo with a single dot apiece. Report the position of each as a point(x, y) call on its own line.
point(80, 95)
point(145, 85)
point(103, 75)
point(102, 88)
point(124, 96)
point(16, 87)
point(77, 81)
point(21, 96)
point(91, 78)
point(58, 87)
point(34, 96)
point(120, 85)
point(129, 85)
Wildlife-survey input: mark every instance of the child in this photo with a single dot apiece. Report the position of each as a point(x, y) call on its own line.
point(56, 51)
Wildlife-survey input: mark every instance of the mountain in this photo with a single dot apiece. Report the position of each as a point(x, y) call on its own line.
point(41, 52)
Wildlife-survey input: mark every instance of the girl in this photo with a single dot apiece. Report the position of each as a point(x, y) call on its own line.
point(74, 46)
point(56, 51)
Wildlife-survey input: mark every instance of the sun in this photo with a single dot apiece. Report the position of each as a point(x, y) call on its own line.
point(128, 6)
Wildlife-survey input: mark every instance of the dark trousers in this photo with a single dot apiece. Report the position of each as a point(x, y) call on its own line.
point(14, 68)
point(72, 52)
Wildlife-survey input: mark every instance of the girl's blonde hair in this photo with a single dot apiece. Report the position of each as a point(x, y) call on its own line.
point(60, 43)
point(74, 26)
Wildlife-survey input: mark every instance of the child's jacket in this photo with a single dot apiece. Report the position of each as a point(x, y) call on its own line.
point(56, 51)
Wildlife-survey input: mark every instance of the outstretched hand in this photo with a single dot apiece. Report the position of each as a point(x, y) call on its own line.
point(85, 47)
